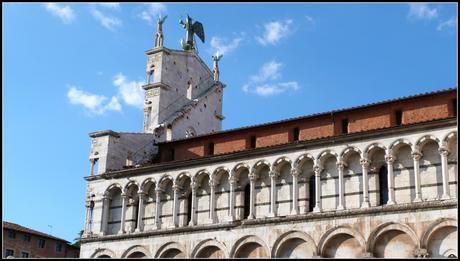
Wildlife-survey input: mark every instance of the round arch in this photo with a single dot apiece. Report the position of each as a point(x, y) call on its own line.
point(350, 149)
point(130, 184)
point(435, 226)
point(182, 176)
point(395, 145)
point(279, 243)
point(208, 243)
point(426, 138)
point(331, 233)
point(248, 240)
point(134, 249)
point(279, 162)
point(111, 187)
point(326, 153)
point(373, 146)
point(449, 136)
point(258, 165)
point(103, 252)
point(379, 230)
point(218, 170)
point(171, 246)
point(200, 173)
point(146, 182)
point(298, 163)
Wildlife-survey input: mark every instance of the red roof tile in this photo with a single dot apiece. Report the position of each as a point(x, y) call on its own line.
point(16, 227)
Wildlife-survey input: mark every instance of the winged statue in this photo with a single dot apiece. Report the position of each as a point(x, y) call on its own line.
point(190, 29)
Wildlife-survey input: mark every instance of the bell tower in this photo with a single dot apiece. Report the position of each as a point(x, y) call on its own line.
point(183, 97)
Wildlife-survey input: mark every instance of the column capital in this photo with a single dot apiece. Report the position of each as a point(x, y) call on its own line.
point(176, 188)
point(295, 172)
point(317, 169)
point(124, 195)
point(416, 155)
point(341, 164)
point(194, 185)
point(365, 162)
point(389, 158)
point(421, 252)
point(141, 193)
point(106, 197)
point(252, 176)
point(444, 151)
point(232, 180)
point(212, 183)
point(274, 174)
point(158, 190)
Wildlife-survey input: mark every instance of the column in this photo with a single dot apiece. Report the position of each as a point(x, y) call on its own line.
point(87, 219)
point(140, 221)
point(157, 208)
point(176, 190)
point(445, 173)
point(317, 170)
point(416, 155)
point(252, 180)
point(194, 187)
point(341, 166)
point(212, 202)
point(365, 164)
point(232, 182)
point(273, 176)
point(295, 191)
point(105, 214)
point(391, 180)
point(123, 210)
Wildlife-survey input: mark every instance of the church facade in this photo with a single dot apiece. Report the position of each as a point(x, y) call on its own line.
point(378, 180)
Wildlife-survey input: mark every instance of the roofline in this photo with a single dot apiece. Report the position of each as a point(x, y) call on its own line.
point(311, 115)
point(440, 123)
point(34, 232)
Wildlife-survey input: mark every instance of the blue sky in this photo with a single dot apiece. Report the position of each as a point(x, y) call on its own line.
point(71, 69)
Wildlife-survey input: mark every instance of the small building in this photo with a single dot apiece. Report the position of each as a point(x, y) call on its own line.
point(23, 242)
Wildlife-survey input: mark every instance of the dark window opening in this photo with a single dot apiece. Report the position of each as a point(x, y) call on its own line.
point(454, 107)
point(383, 185)
point(136, 213)
point(171, 156)
point(58, 247)
point(398, 117)
point(11, 234)
point(9, 252)
point(311, 198)
point(247, 200)
point(344, 126)
point(253, 142)
point(41, 243)
point(295, 133)
point(189, 208)
point(211, 148)
point(24, 254)
point(27, 237)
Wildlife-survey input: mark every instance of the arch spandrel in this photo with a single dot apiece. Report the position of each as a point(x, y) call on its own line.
point(136, 249)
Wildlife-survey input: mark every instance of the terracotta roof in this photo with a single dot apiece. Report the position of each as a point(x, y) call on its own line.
point(16, 227)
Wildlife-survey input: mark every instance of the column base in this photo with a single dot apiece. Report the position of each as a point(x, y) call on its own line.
point(389, 203)
point(137, 230)
point(417, 200)
point(121, 232)
point(251, 216)
point(271, 215)
point(365, 204)
point(444, 197)
point(294, 212)
point(340, 207)
point(316, 209)
point(229, 219)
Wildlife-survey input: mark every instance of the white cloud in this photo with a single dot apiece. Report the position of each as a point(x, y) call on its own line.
point(152, 10)
point(223, 46)
point(274, 31)
point(92, 102)
point(421, 11)
point(268, 71)
point(447, 25)
point(108, 22)
point(66, 13)
point(277, 88)
point(130, 91)
point(263, 83)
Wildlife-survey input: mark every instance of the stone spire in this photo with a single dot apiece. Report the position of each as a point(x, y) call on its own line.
point(215, 69)
point(159, 34)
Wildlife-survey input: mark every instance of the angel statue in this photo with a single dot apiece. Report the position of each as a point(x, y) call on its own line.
point(159, 34)
point(215, 69)
point(195, 28)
